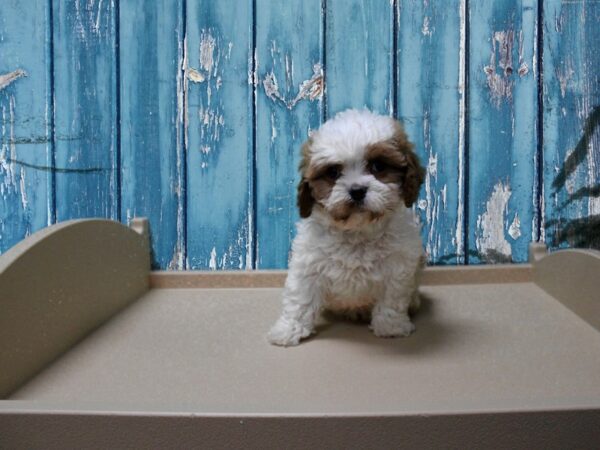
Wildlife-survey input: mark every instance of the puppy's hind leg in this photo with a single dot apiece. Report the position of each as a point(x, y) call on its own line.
point(415, 303)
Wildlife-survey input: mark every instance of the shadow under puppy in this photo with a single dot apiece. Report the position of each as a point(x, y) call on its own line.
point(358, 250)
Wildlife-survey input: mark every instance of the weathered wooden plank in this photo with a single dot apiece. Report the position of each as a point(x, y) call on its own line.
point(85, 110)
point(219, 134)
point(359, 55)
point(431, 40)
point(571, 65)
point(289, 93)
point(151, 92)
point(25, 120)
point(502, 136)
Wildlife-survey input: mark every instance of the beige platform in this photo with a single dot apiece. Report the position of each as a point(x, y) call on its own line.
point(503, 357)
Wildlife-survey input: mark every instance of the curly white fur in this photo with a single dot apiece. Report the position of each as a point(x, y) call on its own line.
point(362, 263)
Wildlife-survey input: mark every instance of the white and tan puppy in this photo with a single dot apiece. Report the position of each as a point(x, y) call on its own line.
point(357, 251)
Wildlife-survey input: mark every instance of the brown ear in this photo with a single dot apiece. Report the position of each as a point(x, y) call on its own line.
point(414, 173)
point(413, 179)
point(305, 198)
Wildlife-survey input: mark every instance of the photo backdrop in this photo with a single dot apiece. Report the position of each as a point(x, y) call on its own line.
point(192, 113)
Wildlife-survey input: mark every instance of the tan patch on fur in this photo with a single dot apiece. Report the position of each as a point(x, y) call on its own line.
point(315, 186)
point(341, 211)
point(347, 216)
point(402, 164)
point(321, 188)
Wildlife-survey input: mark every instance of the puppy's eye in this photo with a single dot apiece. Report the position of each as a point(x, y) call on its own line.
point(333, 172)
point(377, 166)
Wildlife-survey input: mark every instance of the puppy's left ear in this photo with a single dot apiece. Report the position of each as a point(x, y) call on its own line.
point(414, 173)
point(305, 199)
point(413, 178)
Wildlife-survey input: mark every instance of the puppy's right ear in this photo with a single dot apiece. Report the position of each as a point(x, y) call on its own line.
point(305, 199)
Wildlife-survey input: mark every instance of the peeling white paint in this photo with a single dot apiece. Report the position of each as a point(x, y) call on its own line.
point(289, 71)
point(311, 89)
point(523, 69)
point(535, 50)
point(23, 190)
point(182, 92)
point(98, 14)
point(273, 128)
point(178, 261)
point(490, 224)
point(429, 195)
point(425, 30)
point(444, 192)
point(250, 232)
point(10, 179)
point(10, 77)
point(224, 259)
point(194, 76)
point(212, 264)
point(207, 50)
point(564, 76)
point(515, 228)
point(253, 74)
point(543, 215)
point(271, 87)
point(174, 263)
point(593, 156)
point(500, 84)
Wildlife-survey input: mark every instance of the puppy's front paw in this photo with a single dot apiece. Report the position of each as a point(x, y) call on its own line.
point(287, 332)
point(395, 326)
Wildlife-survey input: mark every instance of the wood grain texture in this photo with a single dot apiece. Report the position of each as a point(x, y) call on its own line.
point(25, 120)
point(289, 104)
point(430, 95)
point(151, 102)
point(359, 54)
point(502, 135)
point(219, 135)
point(192, 113)
point(571, 123)
point(85, 112)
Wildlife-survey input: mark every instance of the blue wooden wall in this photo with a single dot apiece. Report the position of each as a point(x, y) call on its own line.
point(192, 113)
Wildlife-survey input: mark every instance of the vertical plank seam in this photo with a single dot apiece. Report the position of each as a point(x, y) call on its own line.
point(51, 118)
point(466, 140)
point(324, 59)
point(117, 155)
point(395, 65)
point(183, 191)
point(540, 119)
point(253, 210)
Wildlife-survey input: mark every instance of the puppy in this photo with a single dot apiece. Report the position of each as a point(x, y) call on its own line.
point(357, 250)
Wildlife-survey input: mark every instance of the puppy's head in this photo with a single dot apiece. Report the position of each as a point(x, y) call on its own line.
point(358, 167)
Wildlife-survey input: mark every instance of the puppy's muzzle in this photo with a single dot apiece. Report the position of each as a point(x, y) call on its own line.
point(358, 193)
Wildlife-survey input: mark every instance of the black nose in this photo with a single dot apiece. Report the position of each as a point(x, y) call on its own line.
point(358, 193)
